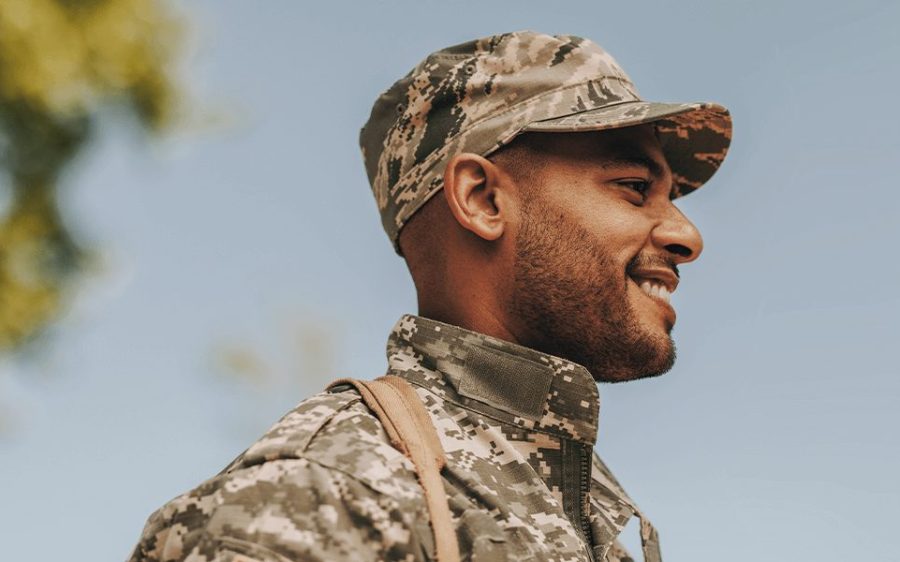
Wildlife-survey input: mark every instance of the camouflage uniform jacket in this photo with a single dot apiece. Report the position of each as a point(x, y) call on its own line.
point(518, 427)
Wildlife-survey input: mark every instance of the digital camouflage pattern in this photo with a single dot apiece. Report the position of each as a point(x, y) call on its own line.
point(477, 96)
point(523, 482)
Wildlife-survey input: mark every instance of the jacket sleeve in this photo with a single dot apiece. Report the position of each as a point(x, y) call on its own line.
point(283, 511)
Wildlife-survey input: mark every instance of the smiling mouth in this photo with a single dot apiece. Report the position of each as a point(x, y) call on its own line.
point(658, 284)
point(654, 289)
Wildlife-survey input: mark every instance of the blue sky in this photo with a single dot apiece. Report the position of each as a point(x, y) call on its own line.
point(256, 238)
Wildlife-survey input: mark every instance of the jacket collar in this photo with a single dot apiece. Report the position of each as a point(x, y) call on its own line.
point(506, 381)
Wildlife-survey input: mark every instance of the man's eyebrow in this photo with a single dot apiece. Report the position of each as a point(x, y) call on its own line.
point(631, 161)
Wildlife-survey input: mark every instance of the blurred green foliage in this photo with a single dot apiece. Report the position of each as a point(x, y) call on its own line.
point(62, 63)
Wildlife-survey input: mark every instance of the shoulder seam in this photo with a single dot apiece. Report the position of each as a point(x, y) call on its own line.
point(302, 446)
point(326, 421)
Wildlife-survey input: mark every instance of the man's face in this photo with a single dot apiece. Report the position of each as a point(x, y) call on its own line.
point(596, 252)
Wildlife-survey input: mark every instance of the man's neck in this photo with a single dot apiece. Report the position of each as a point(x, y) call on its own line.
point(481, 320)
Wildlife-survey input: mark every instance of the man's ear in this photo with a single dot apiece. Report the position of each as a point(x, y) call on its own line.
point(476, 196)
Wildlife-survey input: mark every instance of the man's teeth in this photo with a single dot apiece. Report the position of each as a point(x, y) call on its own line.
point(656, 290)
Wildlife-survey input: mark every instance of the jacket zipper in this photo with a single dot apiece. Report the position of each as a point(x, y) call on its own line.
point(585, 490)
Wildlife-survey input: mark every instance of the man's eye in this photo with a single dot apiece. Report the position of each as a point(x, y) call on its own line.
point(639, 186)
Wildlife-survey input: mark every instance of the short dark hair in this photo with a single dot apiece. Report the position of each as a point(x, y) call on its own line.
point(518, 157)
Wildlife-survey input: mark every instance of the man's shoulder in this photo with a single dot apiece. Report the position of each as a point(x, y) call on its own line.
point(321, 466)
point(336, 431)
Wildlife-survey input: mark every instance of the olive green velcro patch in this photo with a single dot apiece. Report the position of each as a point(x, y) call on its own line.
point(506, 382)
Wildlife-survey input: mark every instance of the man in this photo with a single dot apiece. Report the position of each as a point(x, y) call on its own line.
point(530, 191)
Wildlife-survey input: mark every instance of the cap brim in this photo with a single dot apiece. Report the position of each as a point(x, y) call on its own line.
point(694, 136)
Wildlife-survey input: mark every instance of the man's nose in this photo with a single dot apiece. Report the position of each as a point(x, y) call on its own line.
point(677, 235)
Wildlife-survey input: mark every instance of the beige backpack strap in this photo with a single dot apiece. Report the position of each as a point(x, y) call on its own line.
point(411, 431)
point(649, 541)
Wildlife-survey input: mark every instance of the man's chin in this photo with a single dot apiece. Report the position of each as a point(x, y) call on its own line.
point(646, 360)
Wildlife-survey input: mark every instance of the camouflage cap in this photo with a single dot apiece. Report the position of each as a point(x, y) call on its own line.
point(477, 96)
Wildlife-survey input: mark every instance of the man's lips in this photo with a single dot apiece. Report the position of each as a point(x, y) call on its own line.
point(658, 283)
